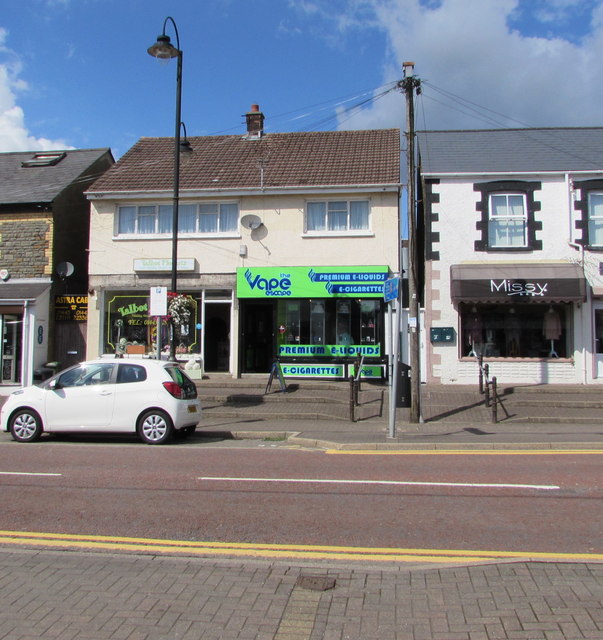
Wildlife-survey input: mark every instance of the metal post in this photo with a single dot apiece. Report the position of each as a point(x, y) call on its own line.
point(352, 417)
point(494, 401)
point(480, 362)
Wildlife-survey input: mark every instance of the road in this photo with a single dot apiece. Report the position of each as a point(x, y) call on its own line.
point(536, 503)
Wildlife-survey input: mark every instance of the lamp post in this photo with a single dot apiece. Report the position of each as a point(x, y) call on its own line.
point(164, 50)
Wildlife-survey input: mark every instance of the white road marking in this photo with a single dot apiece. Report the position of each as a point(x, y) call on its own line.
point(27, 473)
point(478, 485)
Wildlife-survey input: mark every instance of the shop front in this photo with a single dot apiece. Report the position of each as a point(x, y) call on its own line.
point(202, 336)
point(518, 313)
point(316, 320)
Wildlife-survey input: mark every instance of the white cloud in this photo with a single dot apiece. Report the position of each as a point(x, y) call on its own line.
point(466, 48)
point(14, 135)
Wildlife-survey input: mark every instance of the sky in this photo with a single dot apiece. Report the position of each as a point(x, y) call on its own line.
point(76, 73)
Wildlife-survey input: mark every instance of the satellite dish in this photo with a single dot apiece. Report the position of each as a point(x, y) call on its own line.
point(251, 221)
point(65, 269)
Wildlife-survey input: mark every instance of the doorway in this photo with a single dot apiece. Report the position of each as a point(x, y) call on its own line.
point(216, 347)
point(599, 343)
point(258, 337)
point(10, 350)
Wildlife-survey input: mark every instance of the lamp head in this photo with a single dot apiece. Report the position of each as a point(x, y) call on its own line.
point(163, 48)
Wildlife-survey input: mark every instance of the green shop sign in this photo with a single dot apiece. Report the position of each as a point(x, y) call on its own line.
point(368, 371)
point(329, 350)
point(308, 282)
point(313, 370)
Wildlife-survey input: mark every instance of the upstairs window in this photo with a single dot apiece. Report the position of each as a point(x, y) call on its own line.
point(508, 222)
point(194, 219)
point(507, 216)
point(595, 218)
point(336, 216)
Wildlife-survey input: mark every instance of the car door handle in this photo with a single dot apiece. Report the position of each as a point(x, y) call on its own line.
point(105, 392)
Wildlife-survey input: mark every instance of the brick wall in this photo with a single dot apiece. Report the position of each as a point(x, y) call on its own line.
point(26, 245)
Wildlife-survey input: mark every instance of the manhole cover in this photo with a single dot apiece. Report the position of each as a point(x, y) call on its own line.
point(315, 583)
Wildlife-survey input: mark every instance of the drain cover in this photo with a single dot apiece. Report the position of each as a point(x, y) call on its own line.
point(315, 583)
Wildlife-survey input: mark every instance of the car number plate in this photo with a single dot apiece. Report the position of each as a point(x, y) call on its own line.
point(192, 408)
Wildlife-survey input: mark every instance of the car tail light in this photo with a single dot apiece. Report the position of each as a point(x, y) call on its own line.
point(174, 389)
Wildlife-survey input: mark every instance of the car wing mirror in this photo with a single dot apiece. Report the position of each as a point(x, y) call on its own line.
point(54, 384)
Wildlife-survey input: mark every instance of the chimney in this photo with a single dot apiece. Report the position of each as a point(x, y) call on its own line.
point(255, 122)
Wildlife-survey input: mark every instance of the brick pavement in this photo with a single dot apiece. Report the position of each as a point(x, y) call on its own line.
point(95, 596)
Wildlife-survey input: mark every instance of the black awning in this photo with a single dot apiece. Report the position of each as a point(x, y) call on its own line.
point(510, 283)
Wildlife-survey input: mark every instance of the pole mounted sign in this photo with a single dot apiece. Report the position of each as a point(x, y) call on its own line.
point(390, 289)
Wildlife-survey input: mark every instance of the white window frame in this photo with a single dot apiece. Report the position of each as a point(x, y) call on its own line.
point(145, 211)
point(334, 206)
point(508, 220)
point(595, 220)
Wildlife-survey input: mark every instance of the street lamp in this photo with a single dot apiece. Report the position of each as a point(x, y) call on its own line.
point(164, 50)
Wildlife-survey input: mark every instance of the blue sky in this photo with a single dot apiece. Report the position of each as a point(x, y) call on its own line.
point(75, 73)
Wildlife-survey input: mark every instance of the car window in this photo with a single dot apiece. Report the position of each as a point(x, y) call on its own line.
point(85, 374)
point(131, 373)
point(188, 386)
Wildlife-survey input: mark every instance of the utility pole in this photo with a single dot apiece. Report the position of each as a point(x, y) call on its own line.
point(411, 85)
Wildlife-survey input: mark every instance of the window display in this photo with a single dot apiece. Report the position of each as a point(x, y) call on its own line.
point(515, 331)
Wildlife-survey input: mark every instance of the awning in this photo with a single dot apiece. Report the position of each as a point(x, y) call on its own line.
point(512, 283)
point(19, 292)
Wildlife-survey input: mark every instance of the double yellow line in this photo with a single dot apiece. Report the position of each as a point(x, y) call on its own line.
point(274, 551)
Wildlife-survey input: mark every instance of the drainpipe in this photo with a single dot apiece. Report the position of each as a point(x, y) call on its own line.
point(26, 349)
point(586, 306)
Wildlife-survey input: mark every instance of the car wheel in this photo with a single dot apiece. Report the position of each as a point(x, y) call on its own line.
point(25, 425)
point(155, 427)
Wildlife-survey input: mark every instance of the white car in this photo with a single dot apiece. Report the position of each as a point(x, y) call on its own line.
point(153, 398)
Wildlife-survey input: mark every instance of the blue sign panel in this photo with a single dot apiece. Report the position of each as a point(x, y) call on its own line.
point(390, 289)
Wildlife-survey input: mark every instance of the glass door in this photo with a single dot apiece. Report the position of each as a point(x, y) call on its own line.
point(10, 349)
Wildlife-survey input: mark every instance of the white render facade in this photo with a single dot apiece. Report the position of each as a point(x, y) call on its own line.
point(267, 280)
point(529, 303)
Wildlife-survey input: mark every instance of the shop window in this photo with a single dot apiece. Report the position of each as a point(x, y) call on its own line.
point(337, 216)
point(127, 322)
point(329, 322)
point(508, 216)
point(317, 323)
point(344, 322)
point(515, 331)
point(368, 321)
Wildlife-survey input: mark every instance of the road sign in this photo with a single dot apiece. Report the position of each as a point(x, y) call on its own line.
point(390, 289)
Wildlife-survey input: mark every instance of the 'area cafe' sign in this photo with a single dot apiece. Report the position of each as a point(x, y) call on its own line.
point(72, 307)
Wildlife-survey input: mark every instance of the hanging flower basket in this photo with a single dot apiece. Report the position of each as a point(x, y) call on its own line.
point(180, 309)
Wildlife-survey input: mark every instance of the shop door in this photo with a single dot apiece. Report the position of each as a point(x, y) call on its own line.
point(216, 347)
point(599, 342)
point(258, 338)
point(10, 350)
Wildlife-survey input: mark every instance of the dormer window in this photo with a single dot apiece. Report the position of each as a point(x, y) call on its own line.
point(44, 159)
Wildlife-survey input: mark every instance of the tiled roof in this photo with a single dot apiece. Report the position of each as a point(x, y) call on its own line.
point(276, 160)
point(20, 185)
point(511, 150)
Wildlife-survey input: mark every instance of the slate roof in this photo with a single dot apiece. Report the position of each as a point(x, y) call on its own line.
point(511, 150)
point(20, 185)
point(276, 160)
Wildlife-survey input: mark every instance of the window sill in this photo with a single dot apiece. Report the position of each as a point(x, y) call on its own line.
point(525, 359)
point(338, 234)
point(181, 236)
